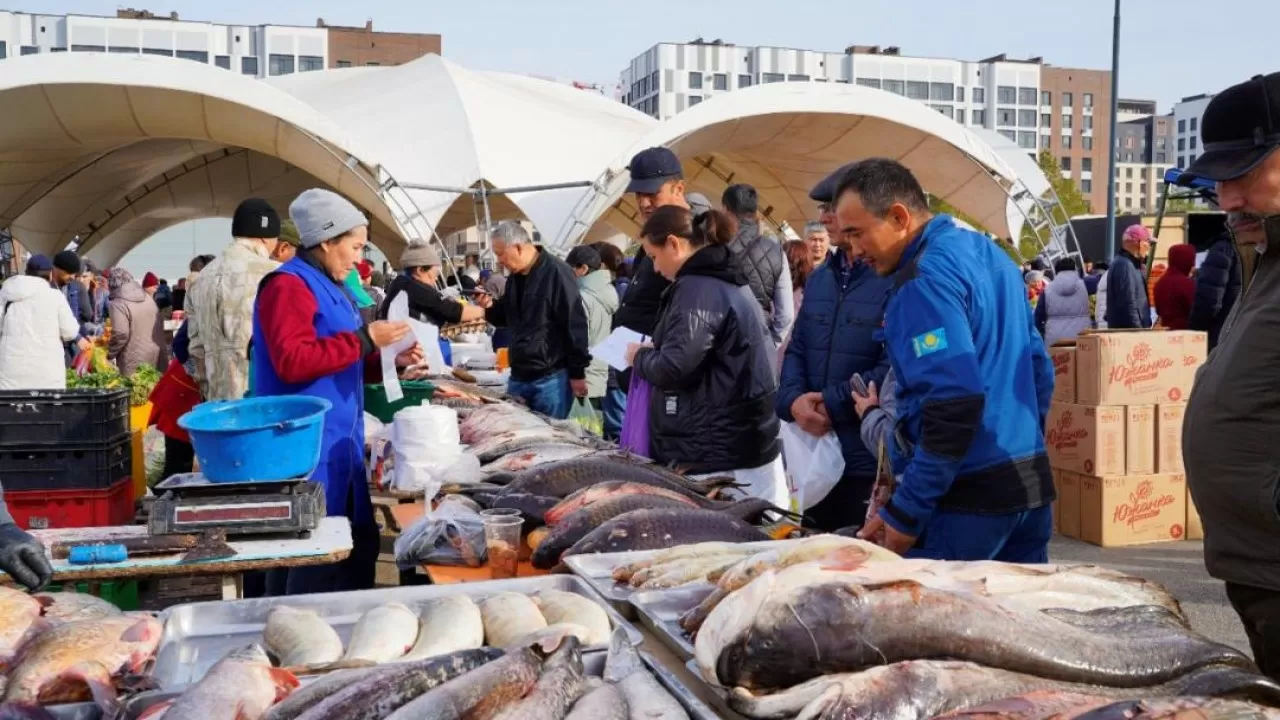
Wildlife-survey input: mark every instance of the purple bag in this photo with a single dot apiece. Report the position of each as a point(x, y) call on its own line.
point(635, 424)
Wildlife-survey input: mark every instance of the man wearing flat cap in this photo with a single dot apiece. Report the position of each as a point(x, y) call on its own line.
point(419, 275)
point(1233, 419)
point(219, 303)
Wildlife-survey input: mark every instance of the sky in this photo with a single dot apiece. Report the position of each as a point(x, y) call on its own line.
point(1169, 48)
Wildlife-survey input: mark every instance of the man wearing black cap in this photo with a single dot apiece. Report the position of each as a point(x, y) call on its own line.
point(66, 271)
point(1232, 419)
point(219, 303)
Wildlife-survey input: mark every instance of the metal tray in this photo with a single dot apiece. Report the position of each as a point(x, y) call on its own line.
point(592, 663)
point(720, 694)
point(197, 635)
point(660, 611)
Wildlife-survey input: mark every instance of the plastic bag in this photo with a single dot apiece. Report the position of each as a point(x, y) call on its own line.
point(635, 424)
point(814, 465)
point(587, 417)
point(425, 445)
point(452, 534)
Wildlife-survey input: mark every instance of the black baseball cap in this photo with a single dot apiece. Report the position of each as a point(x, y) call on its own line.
point(1240, 128)
point(652, 168)
point(825, 190)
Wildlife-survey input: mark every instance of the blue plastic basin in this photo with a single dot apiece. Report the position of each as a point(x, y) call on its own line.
point(261, 438)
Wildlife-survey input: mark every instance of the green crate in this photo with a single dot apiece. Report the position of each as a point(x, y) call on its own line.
point(416, 392)
point(121, 593)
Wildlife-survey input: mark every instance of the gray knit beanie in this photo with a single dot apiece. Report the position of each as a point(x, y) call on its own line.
point(323, 215)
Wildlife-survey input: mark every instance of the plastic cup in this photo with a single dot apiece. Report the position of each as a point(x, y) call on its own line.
point(502, 541)
point(499, 512)
point(502, 361)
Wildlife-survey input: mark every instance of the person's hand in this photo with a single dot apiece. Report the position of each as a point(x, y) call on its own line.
point(883, 534)
point(484, 300)
point(811, 414)
point(24, 558)
point(863, 403)
point(385, 332)
point(412, 356)
point(84, 344)
point(632, 349)
point(579, 388)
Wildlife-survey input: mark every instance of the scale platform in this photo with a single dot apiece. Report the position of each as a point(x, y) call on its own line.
point(189, 503)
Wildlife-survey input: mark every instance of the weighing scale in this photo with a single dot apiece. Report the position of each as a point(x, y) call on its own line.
point(190, 503)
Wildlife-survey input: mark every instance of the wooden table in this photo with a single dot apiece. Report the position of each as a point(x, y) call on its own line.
point(450, 575)
point(329, 543)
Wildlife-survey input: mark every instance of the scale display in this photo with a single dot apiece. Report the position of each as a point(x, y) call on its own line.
point(189, 503)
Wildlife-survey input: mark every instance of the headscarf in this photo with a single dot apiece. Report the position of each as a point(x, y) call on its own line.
point(357, 290)
point(118, 278)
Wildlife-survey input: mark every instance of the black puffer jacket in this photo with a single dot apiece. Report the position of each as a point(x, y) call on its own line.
point(547, 320)
point(639, 309)
point(761, 261)
point(712, 371)
point(1217, 287)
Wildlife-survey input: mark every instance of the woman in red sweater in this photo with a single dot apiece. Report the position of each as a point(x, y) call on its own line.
point(1175, 290)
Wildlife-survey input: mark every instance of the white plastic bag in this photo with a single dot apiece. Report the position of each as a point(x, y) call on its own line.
point(452, 534)
point(426, 445)
point(814, 465)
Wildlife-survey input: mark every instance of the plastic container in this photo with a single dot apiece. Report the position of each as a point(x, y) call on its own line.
point(502, 543)
point(416, 392)
point(121, 593)
point(80, 416)
point(261, 438)
point(71, 467)
point(446, 349)
point(139, 418)
point(42, 509)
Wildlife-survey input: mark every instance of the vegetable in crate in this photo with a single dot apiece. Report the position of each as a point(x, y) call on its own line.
point(141, 383)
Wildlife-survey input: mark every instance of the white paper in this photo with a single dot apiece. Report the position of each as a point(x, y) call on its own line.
point(613, 349)
point(425, 334)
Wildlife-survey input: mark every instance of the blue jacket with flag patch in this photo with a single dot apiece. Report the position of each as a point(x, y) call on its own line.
point(974, 381)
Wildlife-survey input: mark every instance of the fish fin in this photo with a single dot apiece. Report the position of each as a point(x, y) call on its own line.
point(850, 557)
point(143, 631)
point(156, 711)
point(285, 682)
point(97, 678)
point(330, 667)
point(623, 661)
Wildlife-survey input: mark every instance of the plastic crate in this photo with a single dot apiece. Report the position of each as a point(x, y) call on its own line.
point(416, 392)
point(85, 467)
point(57, 417)
point(123, 594)
point(42, 509)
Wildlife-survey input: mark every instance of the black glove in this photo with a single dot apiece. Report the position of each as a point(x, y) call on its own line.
point(24, 558)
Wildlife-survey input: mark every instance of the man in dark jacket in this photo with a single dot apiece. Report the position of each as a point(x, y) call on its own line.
point(1128, 307)
point(760, 257)
point(66, 268)
point(833, 339)
point(541, 305)
point(1217, 287)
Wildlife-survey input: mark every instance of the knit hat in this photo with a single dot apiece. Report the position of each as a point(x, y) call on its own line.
point(584, 255)
point(419, 256)
point(255, 218)
point(150, 280)
point(323, 215)
point(67, 261)
point(39, 264)
point(365, 268)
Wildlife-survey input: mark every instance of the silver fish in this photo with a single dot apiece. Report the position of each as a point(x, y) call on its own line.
point(449, 624)
point(565, 607)
point(64, 607)
point(480, 694)
point(316, 692)
point(241, 686)
point(646, 698)
point(508, 617)
point(605, 702)
point(300, 638)
point(558, 688)
point(383, 634)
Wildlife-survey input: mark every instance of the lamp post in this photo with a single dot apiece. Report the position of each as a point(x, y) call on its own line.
point(1111, 151)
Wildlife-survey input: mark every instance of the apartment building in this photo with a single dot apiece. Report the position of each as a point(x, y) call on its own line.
point(1144, 151)
point(354, 46)
point(1187, 113)
point(1036, 105)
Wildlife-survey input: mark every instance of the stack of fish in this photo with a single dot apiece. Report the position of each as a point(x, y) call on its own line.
point(68, 647)
point(544, 680)
point(843, 638)
point(507, 438)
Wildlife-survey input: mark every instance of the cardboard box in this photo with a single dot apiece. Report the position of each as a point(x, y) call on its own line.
point(1069, 504)
point(1144, 367)
point(1169, 437)
point(1086, 439)
point(1057, 493)
point(1131, 509)
point(1140, 440)
point(1195, 531)
point(1064, 372)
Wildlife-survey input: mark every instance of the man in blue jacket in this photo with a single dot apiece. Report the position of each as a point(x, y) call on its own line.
point(1217, 287)
point(1128, 307)
point(974, 379)
point(834, 338)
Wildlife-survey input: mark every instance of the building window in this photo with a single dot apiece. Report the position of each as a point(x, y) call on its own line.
point(1086, 165)
point(1026, 96)
point(1027, 118)
point(88, 48)
point(1088, 99)
point(772, 77)
point(1128, 172)
point(945, 110)
point(116, 49)
point(1009, 134)
point(960, 116)
point(695, 81)
point(280, 65)
point(1046, 97)
point(1006, 95)
point(35, 50)
point(959, 93)
point(868, 82)
point(980, 118)
point(1087, 142)
point(1191, 159)
point(1194, 122)
point(1182, 126)
point(942, 91)
point(1066, 121)
point(1027, 140)
point(1088, 122)
point(249, 66)
point(1067, 99)
point(1182, 143)
point(694, 100)
point(1128, 187)
point(1142, 187)
point(310, 63)
point(223, 61)
point(1006, 117)
point(1086, 186)
point(372, 63)
point(1192, 143)
point(979, 95)
point(1182, 161)
point(797, 78)
point(744, 81)
point(720, 81)
point(56, 49)
point(157, 51)
point(344, 63)
point(1045, 119)
point(197, 55)
point(897, 87)
point(1066, 142)
point(1162, 158)
point(4, 50)
point(1128, 203)
point(917, 90)
point(1066, 163)
point(1045, 142)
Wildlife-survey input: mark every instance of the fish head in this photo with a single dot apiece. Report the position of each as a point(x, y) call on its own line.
point(253, 653)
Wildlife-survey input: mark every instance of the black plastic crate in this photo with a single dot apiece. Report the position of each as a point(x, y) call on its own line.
point(66, 468)
point(63, 417)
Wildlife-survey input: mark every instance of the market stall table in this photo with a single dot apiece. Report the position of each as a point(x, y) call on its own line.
point(329, 543)
point(451, 574)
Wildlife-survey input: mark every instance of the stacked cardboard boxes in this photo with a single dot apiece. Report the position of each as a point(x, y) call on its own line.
point(1114, 435)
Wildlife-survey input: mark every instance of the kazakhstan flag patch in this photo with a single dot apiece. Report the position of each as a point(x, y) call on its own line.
point(930, 342)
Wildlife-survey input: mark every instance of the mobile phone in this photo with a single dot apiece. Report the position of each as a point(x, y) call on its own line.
point(859, 386)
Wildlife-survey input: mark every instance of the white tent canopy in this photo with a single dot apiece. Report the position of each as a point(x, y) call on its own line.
point(785, 137)
point(1027, 170)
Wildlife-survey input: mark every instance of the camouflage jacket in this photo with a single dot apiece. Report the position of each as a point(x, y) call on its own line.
point(219, 309)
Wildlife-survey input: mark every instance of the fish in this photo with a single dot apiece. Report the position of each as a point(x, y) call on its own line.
point(241, 686)
point(448, 624)
point(551, 635)
point(383, 634)
point(388, 688)
point(19, 616)
point(923, 689)
point(565, 607)
point(485, 422)
point(157, 711)
point(560, 479)
point(480, 694)
point(64, 607)
point(680, 572)
point(1075, 706)
point(315, 692)
point(662, 528)
point(532, 507)
point(605, 702)
point(508, 617)
point(300, 638)
point(557, 689)
point(536, 536)
point(534, 456)
point(613, 489)
point(645, 696)
point(58, 664)
point(469, 389)
point(505, 444)
point(578, 525)
point(623, 573)
point(792, 625)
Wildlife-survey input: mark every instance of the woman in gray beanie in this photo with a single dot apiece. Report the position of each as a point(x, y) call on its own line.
point(308, 340)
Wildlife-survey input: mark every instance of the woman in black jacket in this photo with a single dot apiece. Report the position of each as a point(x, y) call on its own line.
point(711, 365)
